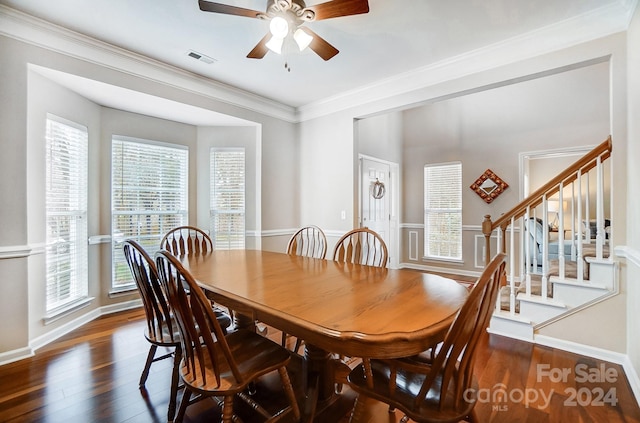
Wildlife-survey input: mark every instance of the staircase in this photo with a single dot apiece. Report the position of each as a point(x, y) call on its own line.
point(560, 268)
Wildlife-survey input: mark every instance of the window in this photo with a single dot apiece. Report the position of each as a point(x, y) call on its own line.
point(66, 214)
point(227, 198)
point(443, 211)
point(149, 194)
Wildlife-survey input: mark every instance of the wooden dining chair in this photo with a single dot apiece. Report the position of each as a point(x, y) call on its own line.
point(309, 241)
point(186, 240)
point(193, 240)
point(162, 328)
point(361, 246)
point(445, 389)
point(215, 364)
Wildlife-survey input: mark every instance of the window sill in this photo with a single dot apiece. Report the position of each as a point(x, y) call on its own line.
point(124, 291)
point(444, 260)
point(67, 309)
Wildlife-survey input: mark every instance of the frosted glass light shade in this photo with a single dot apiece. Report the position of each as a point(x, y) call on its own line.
point(302, 38)
point(279, 27)
point(275, 44)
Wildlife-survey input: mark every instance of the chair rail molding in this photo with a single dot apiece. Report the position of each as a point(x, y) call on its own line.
point(629, 253)
point(21, 251)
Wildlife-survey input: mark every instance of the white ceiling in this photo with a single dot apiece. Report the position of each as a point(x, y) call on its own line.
point(394, 38)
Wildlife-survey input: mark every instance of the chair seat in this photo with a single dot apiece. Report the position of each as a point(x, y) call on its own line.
point(255, 355)
point(166, 337)
point(407, 387)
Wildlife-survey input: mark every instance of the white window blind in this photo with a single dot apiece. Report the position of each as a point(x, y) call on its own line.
point(66, 213)
point(443, 211)
point(227, 211)
point(149, 196)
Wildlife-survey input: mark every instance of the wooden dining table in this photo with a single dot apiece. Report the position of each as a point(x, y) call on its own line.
point(336, 308)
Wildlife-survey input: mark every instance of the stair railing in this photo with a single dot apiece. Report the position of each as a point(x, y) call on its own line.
point(570, 191)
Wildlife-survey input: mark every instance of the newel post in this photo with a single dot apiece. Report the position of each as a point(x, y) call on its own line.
point(486, 230)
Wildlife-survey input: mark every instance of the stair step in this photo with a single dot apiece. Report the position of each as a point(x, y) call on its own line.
point(575, 293)
point(511, 325)
point(539, 309)
point(537, 299)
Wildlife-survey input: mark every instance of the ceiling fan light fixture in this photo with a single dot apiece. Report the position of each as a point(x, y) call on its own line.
point(303, 39)
point(279, 27)
point(275, 44)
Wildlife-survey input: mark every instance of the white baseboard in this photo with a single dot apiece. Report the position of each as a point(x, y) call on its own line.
point(632, 377)
point(15, 355)
point(39, 342)
point(597, 353)
point(581, 349)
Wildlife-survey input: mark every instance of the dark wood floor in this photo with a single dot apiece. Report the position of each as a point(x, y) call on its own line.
point(91, 375)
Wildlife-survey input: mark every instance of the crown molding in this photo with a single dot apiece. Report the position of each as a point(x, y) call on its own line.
point(41, 33)
point(598, 23)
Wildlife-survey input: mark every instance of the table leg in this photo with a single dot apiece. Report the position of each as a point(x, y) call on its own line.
point(318, 362)
point(244, 321)
point(318, 380)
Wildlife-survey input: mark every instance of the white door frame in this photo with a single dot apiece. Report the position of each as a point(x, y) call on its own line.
point(393, 190)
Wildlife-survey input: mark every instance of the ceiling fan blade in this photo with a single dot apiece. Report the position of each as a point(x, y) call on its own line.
point(208, 6)
point(337, 8)
point(321, 46)
point(261, 49)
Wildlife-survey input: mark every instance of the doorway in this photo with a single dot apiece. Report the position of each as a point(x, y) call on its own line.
point(378, 201)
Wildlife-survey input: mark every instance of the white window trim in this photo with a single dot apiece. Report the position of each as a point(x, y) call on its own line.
point(426, 255)
point(212, 211)
point(115, 240)
point(81, 283)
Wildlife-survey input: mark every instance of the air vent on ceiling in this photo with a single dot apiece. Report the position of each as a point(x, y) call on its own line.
point(199, 56)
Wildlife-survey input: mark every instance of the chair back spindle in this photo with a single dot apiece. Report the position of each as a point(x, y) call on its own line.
point(156, 306)
point(309, 241)
point(361, 246)
point(186, 240)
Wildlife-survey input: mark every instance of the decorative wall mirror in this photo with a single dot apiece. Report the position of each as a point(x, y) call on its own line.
point(489, 186)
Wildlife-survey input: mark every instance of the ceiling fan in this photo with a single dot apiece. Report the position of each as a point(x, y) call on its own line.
point(287, 19)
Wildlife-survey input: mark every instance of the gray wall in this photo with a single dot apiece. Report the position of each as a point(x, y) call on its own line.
point(488, 130)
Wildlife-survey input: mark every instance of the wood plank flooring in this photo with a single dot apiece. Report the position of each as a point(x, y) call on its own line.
point(91, 375)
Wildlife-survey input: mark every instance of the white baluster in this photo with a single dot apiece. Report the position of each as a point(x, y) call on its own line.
point(528, 251)
point(574, 235)
point(545, 245)
point(587, 207)
point(512, 258)
point(579, 262)
point(535, 241)
point(600, 236)
point(561, 258)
